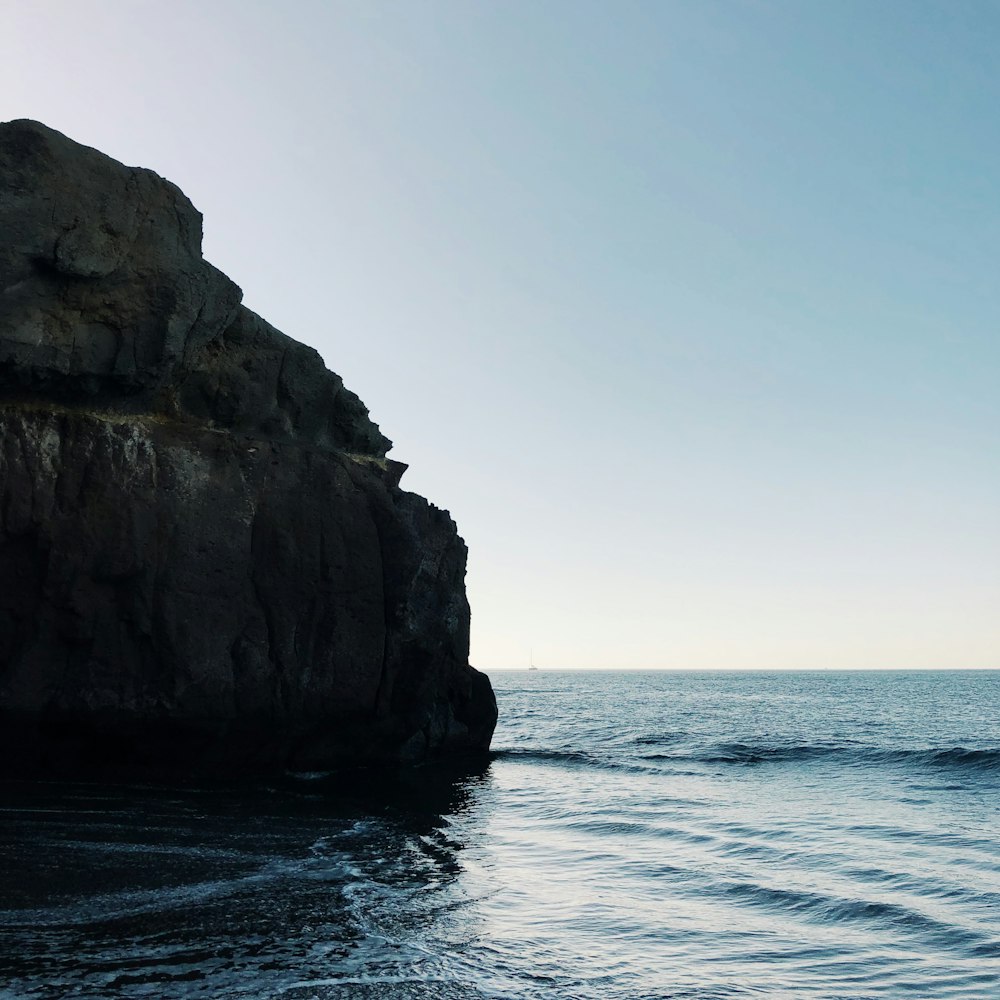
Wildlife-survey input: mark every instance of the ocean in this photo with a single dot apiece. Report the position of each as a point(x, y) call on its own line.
point(696, 835)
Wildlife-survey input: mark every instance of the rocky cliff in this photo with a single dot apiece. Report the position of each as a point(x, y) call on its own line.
point(205, 556)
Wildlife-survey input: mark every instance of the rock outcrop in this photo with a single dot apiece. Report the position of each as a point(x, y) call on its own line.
point(205, 557)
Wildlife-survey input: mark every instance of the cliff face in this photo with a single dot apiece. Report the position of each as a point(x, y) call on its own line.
point(205, 557)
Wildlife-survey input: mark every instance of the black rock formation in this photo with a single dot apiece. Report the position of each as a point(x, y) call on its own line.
point(205, 557)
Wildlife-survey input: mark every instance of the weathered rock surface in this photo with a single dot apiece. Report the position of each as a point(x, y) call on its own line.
point(205, 557)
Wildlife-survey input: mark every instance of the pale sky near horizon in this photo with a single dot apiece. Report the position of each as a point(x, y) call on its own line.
point(687, 311)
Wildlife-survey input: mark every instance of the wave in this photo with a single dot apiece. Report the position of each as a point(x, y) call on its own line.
point(568, 758)
point(830, 908)
point(952, 759)
point(960, 758)
point(575, 760)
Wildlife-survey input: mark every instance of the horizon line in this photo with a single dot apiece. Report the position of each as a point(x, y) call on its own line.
point(739, 670)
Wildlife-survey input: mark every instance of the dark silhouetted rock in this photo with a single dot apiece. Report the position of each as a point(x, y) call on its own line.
point(205, 557)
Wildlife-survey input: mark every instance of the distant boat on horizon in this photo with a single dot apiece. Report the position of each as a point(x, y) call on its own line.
point(531, 660)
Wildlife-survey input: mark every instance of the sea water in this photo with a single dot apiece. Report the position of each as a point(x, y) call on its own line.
point(634, 835)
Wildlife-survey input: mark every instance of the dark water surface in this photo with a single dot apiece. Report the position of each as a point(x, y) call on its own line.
point(636, 835)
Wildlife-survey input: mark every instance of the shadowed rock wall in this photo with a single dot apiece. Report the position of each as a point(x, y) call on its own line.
point(205, 557)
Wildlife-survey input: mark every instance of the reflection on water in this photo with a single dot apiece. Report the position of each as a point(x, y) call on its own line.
point(135, 891)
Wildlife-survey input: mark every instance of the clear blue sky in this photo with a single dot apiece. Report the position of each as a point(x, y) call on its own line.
point(688, 311)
